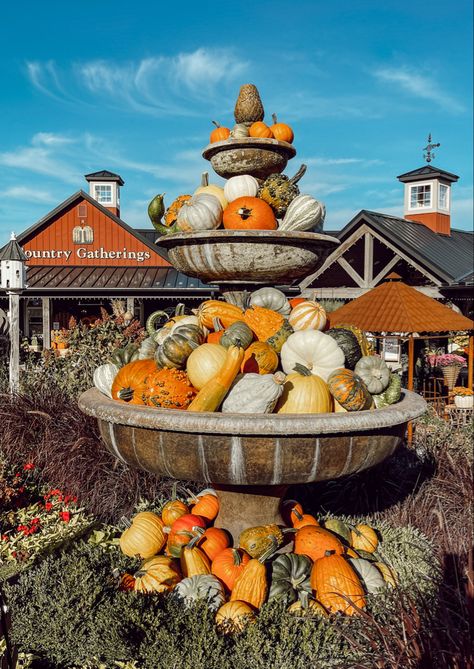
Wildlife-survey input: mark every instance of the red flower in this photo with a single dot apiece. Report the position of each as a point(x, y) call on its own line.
point(35, 521)
point(17, 475)
point(5, 537)
point(22, 489)
point(54, 492)
point(48, 506)
point(29, 465)
point(21, 528)
point(65, 516)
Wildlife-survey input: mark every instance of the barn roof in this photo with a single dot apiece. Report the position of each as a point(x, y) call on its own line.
point(395, 307)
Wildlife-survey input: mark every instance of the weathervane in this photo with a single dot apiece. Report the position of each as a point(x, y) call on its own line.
point(429, 155)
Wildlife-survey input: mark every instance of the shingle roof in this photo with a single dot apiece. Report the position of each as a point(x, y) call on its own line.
point(451, 255)
point(12, 251)
point(427, 171)
point(61, 279)
point(395, 307)
point(104, 175)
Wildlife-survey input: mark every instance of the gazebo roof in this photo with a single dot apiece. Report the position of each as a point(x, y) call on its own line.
point(395, 307)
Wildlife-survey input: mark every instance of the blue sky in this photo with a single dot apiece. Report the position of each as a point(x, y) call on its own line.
point(133, 87)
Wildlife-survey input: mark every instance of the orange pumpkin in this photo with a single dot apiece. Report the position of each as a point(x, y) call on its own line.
point(249, 213)
point(213, 541)
point(214, 337)
point(260, 129)
point(337, 585)
point(206, 505)
point(130, 379)
point(263, 322)
point(259, 358)
point(315, 541)
point(173, 510)
point(172, 212)
point(228, 565)
point(303, 519)
point(167, 388)
point(219, 134)
point(296, 300)
point(281, 131)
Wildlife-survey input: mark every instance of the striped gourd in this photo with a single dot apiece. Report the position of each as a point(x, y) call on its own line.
point(304, 213)
point(308, 315)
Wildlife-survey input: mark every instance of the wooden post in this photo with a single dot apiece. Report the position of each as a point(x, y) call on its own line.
point(470, 363)
point(46, 305)
point(14, 370)
point(411, 365)
point(131, 305)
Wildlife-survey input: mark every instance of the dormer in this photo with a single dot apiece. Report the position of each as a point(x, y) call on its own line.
point(104, 186)
point(428, 197)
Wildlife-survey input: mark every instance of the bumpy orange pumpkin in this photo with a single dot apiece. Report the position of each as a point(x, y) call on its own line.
point(281, 131)
point(249, 213)
point(172, 212)
point(263, 322)
point(169, 389)
point(315, 541)
point(130, 379)
point(219, 134)
point(260, 129)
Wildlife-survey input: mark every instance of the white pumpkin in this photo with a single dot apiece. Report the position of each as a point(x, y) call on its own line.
point(370, 576)
point(201, 212)
point(308, 315)
point(205, 587)
point(254, 393)
point(304, 213)
point(243, 185)
point(211, 189)
point(271, 298)
point(204, 363)
point(239, 131)
point(104, 377)
point(313, 349)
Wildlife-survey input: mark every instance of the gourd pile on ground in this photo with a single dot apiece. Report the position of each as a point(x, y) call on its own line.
point(272, 356)
point(244, 203)
point(329, 570)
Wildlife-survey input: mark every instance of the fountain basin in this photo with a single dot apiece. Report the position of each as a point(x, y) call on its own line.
point(248, 256)
point(257, 156)
point(250, 458)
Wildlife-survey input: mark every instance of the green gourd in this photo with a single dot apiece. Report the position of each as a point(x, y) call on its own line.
point(347, 342)
point(178, 346)
point(201, 587)
point(290, 577)
point(237, 334)
point(391, 394)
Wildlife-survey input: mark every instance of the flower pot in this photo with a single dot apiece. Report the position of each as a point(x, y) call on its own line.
point(464, 401)
point(451, 373)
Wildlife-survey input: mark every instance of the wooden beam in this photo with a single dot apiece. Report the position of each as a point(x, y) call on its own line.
point(385, 270)
point(351, 271)
point(46, 308)
point(131, 305)
point(14, 369)
point(368, 259)
point(470, 363)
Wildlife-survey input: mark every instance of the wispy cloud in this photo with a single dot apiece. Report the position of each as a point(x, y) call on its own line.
point(157, 86)
point(27, 194)
point(419, 85)
point(40, 160)
point(342, 161)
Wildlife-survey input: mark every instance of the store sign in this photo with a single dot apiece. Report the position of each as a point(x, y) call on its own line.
point(83, 252)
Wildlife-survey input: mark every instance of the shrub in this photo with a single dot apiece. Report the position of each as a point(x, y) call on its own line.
point(68, 610)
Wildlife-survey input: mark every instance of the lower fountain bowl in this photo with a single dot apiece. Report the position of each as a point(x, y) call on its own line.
point(248, 256)
point(250, 450)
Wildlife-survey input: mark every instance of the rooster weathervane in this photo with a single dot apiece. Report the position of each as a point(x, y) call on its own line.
point(428, 154)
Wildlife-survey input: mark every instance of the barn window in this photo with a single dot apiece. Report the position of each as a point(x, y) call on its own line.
point(82, 235)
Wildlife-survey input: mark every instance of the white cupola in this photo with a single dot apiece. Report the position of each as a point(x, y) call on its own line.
point(104, 186)
point(427, 197)
point(13, 267)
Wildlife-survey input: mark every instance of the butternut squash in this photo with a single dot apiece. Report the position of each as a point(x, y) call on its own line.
point(210, 397)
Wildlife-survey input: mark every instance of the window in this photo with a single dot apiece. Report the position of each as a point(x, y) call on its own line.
point(103, 194)
point(82, 235)
point(420, 196)
point(443, 197)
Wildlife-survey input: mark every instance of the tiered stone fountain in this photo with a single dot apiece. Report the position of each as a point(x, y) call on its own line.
point(250, 459)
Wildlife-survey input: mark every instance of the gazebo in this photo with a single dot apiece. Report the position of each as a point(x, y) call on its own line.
point(395, 308)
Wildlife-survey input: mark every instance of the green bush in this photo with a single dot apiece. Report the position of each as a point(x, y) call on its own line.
point(69, 612)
